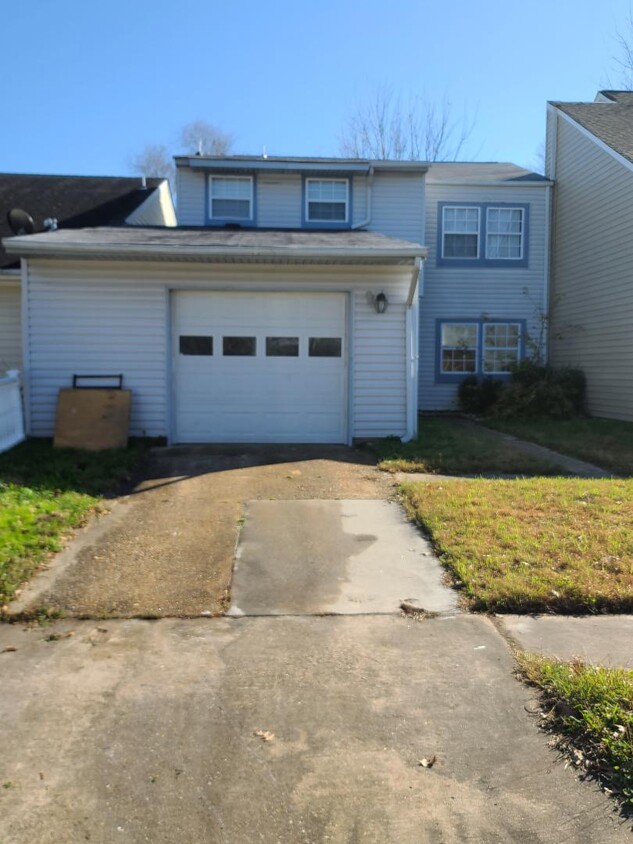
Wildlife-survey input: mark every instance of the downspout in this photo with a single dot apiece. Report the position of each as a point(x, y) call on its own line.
point(547, 305)
point(411, 325)
point(26, 343)
point(370, 181)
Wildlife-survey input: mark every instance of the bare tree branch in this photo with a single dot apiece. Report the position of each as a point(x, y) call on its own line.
point(205, 139)
point(381, 127)
point(623, 58)
point(154, 160)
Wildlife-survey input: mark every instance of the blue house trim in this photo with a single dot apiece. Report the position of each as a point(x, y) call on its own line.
point(457, 377)
point(222, 222)
point(327, 224)
point(482, 261)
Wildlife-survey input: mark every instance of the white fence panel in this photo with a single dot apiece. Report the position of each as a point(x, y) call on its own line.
point(11, 415)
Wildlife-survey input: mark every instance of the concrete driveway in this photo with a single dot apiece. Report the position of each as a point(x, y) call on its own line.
point(304, 716)
point(168, 548)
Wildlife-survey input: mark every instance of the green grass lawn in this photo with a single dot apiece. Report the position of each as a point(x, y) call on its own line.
point(533, 545)
point(592, 710)
point(44, 494)
point(606, 442)
point(454, 446)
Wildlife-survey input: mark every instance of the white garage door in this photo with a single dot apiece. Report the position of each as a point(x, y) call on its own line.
point(259, 367)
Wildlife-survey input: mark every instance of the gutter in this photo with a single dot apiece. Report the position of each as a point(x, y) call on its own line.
point(27, 247)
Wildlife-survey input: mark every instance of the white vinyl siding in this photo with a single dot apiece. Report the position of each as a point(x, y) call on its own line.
point(279, 201)
point(113, 317)
point(592, 288)
point(191, 188)
point(157, 210)
point(397, 201)
point(398, 206)
point(10, 326)
point(452, 293)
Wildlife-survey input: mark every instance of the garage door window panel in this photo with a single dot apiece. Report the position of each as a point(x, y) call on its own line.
point(282, 347)
point(239, 346)
point(195, 345)
point(325, 347)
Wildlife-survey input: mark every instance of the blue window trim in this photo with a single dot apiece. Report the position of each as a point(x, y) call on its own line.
point(457, 377)
point(482, 261)
point(326, 224)
point(230, 221)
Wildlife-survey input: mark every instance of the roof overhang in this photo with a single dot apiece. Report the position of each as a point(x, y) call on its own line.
point(298, 165)
point(28, 246)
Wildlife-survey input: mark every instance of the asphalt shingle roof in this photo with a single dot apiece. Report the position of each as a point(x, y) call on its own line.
point(227, 242)
point(480, 171)
point(75, 201)
point(611, 122)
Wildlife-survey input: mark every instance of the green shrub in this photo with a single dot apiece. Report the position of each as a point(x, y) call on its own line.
point(533, 391)
point(478, 395)
point(539, 391)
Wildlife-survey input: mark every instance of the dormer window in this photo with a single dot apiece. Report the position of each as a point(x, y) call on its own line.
point(231, 198)
point(327, 201)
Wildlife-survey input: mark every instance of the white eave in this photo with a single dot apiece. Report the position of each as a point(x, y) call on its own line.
point(26, 246)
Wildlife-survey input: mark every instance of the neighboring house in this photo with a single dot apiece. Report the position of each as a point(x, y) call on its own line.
point(484, 297)
point(589, 154)
point(68, 202)
point(285, 306)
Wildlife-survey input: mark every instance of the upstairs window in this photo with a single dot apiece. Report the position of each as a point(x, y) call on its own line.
point(327, 200)
point(231, 198)
point(504, 234)
point(460, 232)
point(483, 234)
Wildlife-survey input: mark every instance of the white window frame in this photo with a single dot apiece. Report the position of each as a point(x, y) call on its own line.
point(309, 219)
point(522, 234)
point(476, 208)
point(484, 325)
point(227, 179)
point(476, 326)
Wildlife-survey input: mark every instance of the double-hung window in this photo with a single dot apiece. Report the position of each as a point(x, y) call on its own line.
point(231, 198)
point(483, 234)
point(459, 347)
point(460, 232)
point(504, 234)
point(501, 347)
point(477, 347)
point(327, 201)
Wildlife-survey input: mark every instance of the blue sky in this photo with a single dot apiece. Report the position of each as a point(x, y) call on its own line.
point(86, 85)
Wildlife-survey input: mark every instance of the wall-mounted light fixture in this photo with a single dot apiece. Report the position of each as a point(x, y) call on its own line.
point(378, 301)
point(381, 303)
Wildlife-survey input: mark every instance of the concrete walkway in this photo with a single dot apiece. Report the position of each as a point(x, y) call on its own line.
point(569, 464)
point(600, 640)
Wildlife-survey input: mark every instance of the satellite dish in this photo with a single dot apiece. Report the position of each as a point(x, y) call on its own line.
point(20, 221)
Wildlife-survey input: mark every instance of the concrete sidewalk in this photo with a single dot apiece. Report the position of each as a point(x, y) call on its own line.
point(297, 730)
point(600, 640)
